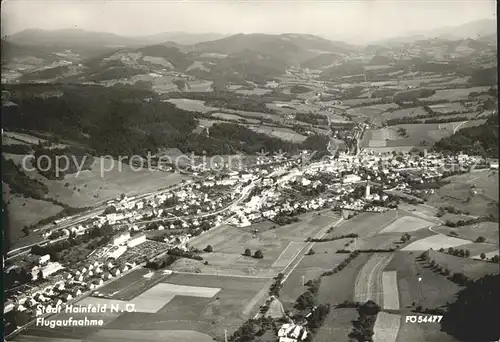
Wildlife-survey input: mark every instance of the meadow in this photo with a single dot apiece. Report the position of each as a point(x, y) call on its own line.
point(192, 105)
point(282, 133)
point(233, 117)
point(455, 94)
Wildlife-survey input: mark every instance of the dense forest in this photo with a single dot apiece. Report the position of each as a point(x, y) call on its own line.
point(479, 140)
point(121, 121)
point(473, 317)
point(114, 121)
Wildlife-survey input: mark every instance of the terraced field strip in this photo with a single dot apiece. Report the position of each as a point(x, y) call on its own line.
point(368, 284)
point(386, 327)
point(390, 289)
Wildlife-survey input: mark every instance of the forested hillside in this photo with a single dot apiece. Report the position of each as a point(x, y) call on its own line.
point(480, 140)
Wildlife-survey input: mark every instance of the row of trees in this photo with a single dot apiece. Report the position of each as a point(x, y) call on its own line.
point(343, 264)
point(363, 326)
point(346, 236)
point(457, 277)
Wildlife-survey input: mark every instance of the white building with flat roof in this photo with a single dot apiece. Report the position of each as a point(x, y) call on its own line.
point(351, 179)
point(121, 238)
point(136, 240)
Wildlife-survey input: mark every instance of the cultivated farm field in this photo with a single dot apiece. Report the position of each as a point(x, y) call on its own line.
point(405, 224)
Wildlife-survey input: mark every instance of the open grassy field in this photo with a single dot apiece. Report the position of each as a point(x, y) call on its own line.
point(200, 86)
point(115, 335)
point(488, 230)
point(107, 180)
point(404, 113)
point(405, 224)
point(336, 326)
point(288, 254)
point(25, 211)
point(473, 269)
point(488, 255)
point(282, 133)
point(366, 224)
point(444, 108)
point(279, 247)
point(255, 91)
point(185, 312)
point(311, 267)
point(192, 105)
point(476, 192)
point(433, 291)
point(181, 307)
point(435, 242)
point(418, 135)
point(422, 332)
point(234, 117)
point(475, 249)
point(456, 94)
point(372, 111)
point(335, 289)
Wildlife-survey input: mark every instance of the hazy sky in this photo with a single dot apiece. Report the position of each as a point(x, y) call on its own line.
point(357, 20)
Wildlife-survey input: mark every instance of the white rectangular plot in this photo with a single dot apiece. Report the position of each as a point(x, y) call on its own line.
point(390, 288)
point(386, 327)
point(179, 290)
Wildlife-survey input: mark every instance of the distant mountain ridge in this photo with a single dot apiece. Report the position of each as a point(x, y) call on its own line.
point(474, 30)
